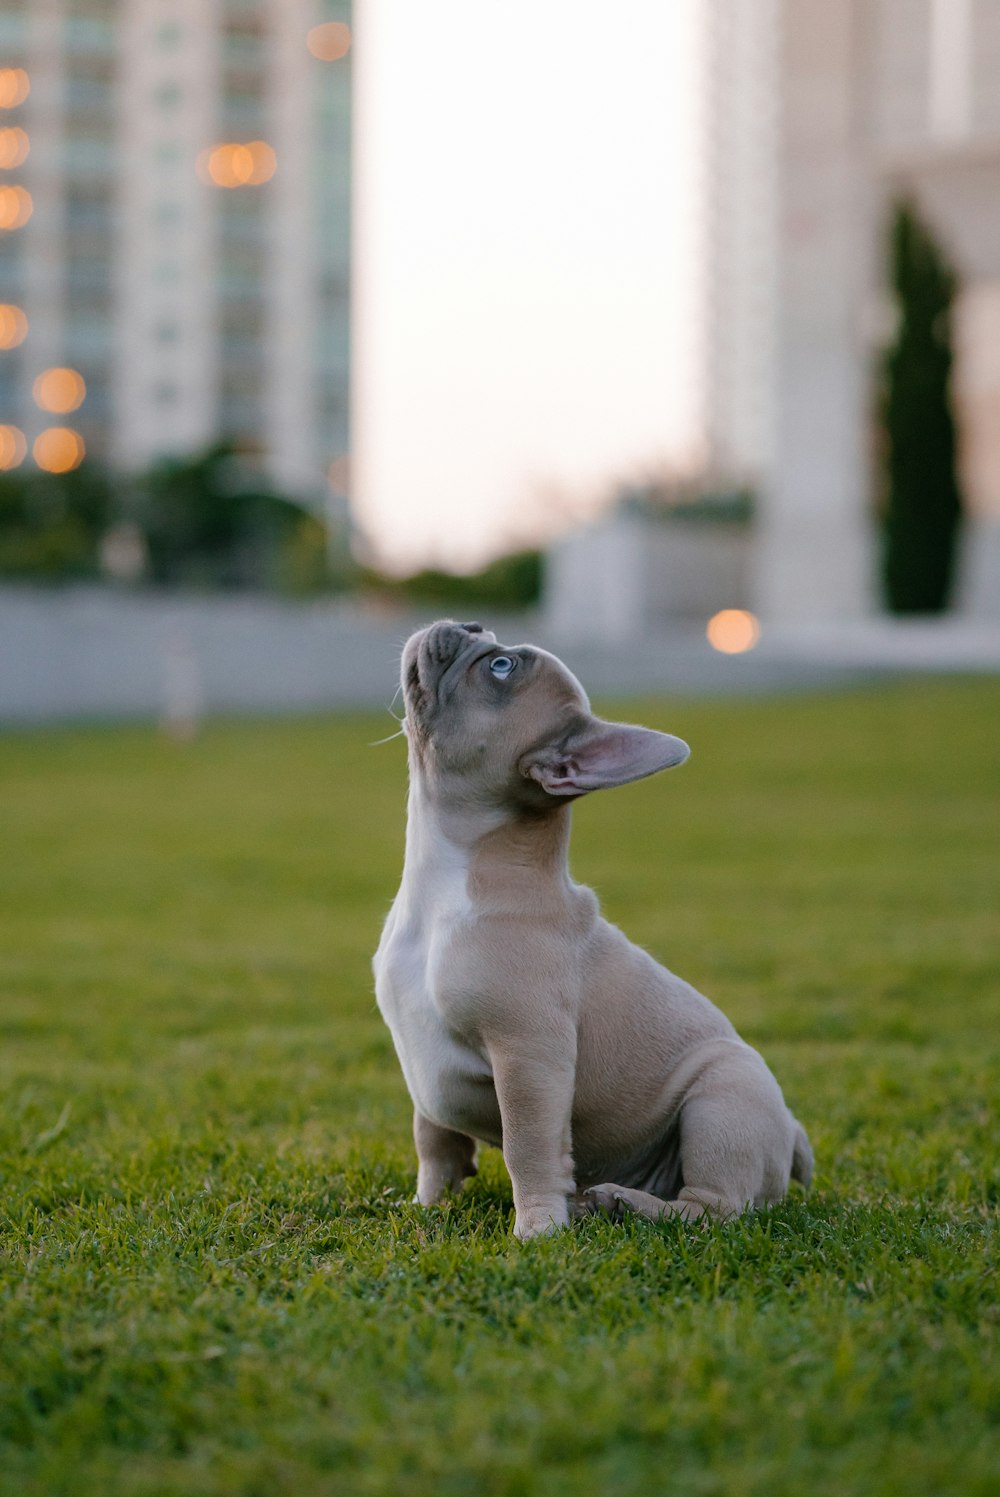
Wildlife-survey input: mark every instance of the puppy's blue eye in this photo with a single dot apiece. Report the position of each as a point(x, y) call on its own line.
point(501, 666)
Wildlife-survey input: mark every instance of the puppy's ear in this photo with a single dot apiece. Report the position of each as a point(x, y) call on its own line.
point(604, 755)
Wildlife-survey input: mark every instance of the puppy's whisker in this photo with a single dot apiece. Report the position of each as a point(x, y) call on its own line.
point(401, 734)
point(401, 720)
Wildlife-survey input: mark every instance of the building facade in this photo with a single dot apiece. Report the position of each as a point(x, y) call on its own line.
point(175, 232)
point(879, 100)
point(819, 115)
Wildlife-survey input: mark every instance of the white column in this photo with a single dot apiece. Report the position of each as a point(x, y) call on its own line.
point(291, 291)
point(949, 95)
point(741, 223)
point(815, 548)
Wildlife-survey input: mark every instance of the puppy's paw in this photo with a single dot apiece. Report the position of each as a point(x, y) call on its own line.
point(617, 1201)
point(601, 1200)
point(436, 1185)
point(538, 1221)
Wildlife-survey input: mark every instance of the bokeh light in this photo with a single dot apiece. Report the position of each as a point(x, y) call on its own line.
point(12, 447)
point(59, 390)
point(58, 449)
point(16, 207)
point(14, 87)
point(13, 325)
point(14, 146)
point(233, 164)
point(732, 631)
point(329, 42)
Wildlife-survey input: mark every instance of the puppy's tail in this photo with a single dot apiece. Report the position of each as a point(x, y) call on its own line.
point(802, 1156)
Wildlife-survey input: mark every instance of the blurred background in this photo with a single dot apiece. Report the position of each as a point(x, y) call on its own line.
point(668, 334)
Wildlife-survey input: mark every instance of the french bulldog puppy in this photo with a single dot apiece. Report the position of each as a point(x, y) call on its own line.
point(520, 1016)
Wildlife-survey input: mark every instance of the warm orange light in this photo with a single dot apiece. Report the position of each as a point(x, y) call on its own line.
point(14, 146)
point(59, 390)
point(329, 42)
point(58, 449)
point(14, 87)
point(238, 165)
point(13, 325)
point(12, 447)
point(16, 207)
point(732, 631)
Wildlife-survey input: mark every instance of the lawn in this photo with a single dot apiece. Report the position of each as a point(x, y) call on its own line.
point(213, 1280)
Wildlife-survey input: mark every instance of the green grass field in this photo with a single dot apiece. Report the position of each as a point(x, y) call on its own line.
point(212, 1278)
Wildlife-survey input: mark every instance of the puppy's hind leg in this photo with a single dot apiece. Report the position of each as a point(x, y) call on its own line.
point(444, 1159)
point(739, 1142)
point(739, 1145)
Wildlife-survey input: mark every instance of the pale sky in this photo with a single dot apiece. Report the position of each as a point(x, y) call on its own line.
point(525, 263)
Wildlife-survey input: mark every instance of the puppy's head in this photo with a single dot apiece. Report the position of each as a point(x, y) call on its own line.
point(510, 725)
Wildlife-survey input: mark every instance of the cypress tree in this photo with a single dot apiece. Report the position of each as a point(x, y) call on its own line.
point(923, 503)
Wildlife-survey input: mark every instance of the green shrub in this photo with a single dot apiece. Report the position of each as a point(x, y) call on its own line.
point(51, 524)
point(922, 500)
point(510, 582)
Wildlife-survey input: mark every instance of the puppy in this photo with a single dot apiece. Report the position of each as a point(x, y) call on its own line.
point(519, 1015)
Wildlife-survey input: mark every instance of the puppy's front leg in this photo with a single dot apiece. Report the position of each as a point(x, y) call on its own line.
point(534, 1083)
point(444, 1159)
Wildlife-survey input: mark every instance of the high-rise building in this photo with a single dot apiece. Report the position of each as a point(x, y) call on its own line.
point(175, 232)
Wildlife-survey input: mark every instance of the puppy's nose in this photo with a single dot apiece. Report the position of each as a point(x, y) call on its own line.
point(473, 628)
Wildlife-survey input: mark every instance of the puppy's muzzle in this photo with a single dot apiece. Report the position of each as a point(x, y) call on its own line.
point(446, 647)
point(431, 657)
point(445, 642)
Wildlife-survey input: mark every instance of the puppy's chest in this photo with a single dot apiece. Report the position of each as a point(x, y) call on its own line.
point(448, 1076)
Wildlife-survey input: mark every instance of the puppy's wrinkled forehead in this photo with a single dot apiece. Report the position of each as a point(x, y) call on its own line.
point(450, 670)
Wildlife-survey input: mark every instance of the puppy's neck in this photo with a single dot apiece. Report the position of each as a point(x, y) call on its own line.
point(438, 819)
point(499, 847)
